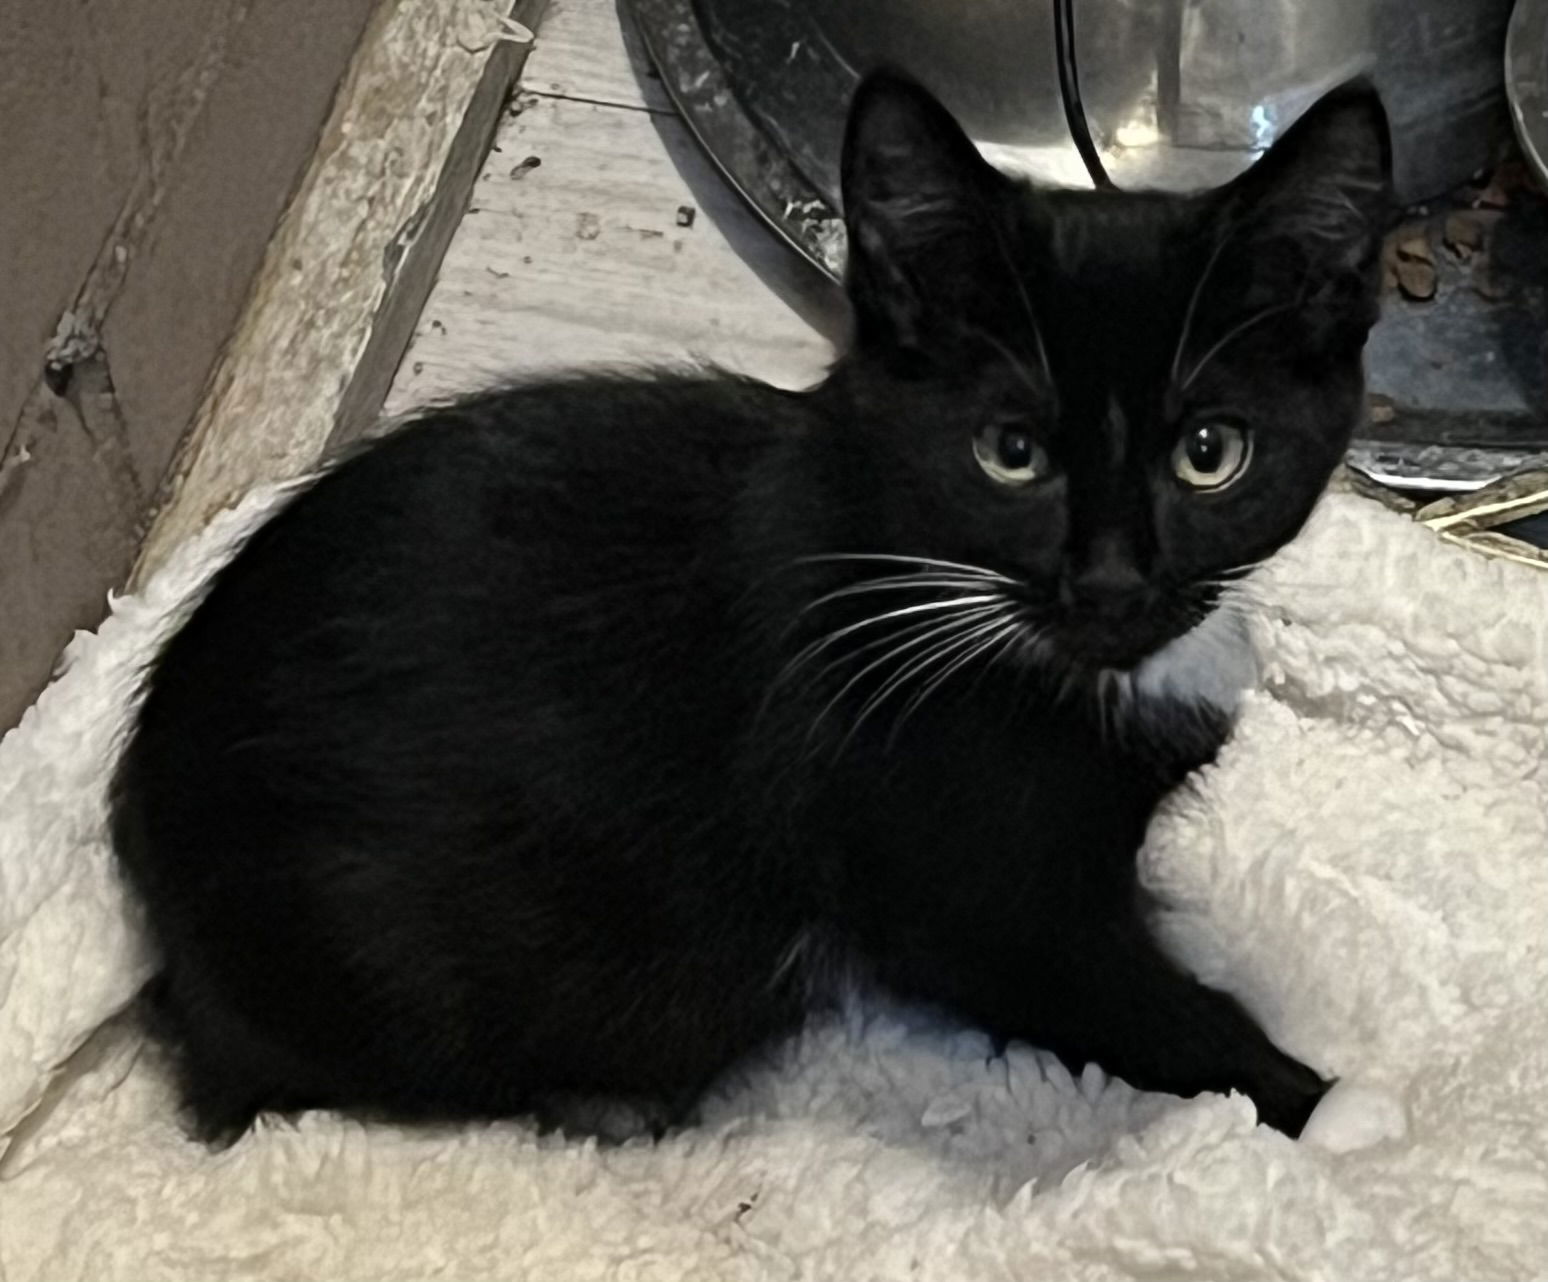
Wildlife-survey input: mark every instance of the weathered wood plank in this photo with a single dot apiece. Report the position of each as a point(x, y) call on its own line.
point(582, 258)
point(347, 269)
point(590, 50)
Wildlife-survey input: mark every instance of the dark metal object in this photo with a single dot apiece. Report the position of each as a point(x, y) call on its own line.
point(1526, 79)
point(1462, 387)
point(1178, 93)
point(756, 164)
point(1069, 92)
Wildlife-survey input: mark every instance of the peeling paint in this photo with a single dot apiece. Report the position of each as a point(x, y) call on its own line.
point(75, 340)
point(158, 144)
point(398, 247)
point(11, 466)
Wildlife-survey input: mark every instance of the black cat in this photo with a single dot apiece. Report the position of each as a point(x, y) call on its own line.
point(571, 740)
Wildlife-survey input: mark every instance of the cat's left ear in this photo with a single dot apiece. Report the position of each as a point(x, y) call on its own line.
point(1307, 221)
point(919, 207)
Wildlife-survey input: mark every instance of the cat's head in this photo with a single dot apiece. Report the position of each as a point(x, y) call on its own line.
point(1117, 401)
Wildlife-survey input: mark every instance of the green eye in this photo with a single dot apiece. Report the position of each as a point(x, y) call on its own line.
point(1211, 456)
point(1009, 454)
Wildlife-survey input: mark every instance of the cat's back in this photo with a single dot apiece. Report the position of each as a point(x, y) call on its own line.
point(455, 704)
point(497, 512)
point(545, 574)
point(570, 471)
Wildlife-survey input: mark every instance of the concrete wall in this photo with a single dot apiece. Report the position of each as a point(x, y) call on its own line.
point(147, 150)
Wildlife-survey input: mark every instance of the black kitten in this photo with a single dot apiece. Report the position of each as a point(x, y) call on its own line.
point(567, 740)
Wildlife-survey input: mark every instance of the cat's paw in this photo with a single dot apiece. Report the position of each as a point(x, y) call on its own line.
point(1286, 1093)
point(1351, 1117)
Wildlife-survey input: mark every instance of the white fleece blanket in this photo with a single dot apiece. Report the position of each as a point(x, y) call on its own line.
point(1367, 866)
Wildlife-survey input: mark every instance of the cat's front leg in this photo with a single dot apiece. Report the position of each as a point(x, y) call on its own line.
point(1129, 1008)
point(1108, 995)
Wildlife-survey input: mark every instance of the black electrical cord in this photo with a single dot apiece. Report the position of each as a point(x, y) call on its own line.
point(1069, 90)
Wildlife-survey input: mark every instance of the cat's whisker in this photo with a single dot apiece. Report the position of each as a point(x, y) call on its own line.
point(1233, 598)
point(1067, 684)
point(810, 652)
point(1022, 639)
point(1105, 691)
point(1193, 301)
point(1233, 333)
point(896, 558)
point(1015, 361)
point(956, 665)
point(1028, 642)
point(925, 607)
point(897, 583)
point(891, 636)
point(943, 652)
point(1227, 589)
point(940, 652)
point(1240, 608)
point(1243, 607)
point(913, 629)
point(1009, 260)
point(1245, 568)
point(896, 652)
point(997, 638)
point(1273, 594)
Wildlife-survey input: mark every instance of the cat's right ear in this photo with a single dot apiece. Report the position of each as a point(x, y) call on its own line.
point(919, 205)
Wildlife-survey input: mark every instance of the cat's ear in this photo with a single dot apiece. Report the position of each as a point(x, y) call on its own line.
point(918, 208)
point(1305, 224)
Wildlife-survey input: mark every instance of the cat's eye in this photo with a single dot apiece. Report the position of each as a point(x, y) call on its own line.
point(1211, 455)
point(1009, 454)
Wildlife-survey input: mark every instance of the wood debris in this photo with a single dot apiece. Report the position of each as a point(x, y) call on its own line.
point(1408, 262)
point(1465, 233)
point(1487, 283)
point(1506, 180)
point(1381, 409)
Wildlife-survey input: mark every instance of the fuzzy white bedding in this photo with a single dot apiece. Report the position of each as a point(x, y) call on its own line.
point(1367, 867)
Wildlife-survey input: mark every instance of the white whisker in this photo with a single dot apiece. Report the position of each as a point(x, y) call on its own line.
point(967, 616)
point(899, 559)
point(997, 638)
point(899, 583)
point(1107, 697)
point(1234, 332)
point(1015, 361)
point(1246, 567)
point(941, 651)
point(970, 606)
point(889, 637)
point(951, 625)
point(1193, 302)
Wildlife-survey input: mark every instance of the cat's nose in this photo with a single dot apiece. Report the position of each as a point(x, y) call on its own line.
point(1108, 582)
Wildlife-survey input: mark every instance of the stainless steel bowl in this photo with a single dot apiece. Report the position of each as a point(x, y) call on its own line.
point(1177, 94)
point(1526, 80)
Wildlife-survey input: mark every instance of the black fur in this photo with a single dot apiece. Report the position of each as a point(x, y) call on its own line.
point(526, 754)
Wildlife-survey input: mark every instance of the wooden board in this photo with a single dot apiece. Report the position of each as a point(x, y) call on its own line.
point(351, 264)
point(581, 258)
point(621, 245)
point(589, 51)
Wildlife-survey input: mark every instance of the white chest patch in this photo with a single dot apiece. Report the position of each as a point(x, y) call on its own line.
point(1214, 664)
